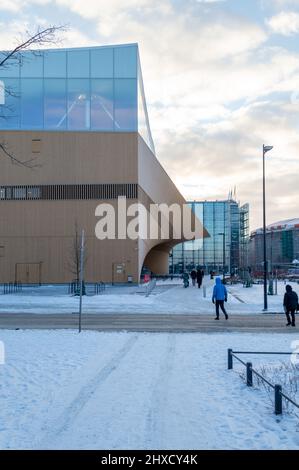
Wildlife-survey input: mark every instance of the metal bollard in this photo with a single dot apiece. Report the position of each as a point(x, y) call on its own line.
point(229, 359)
point(204, 291)
point(278, 399)
point(249, 374)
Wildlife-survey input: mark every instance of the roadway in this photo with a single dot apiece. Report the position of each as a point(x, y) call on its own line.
point(184, 323)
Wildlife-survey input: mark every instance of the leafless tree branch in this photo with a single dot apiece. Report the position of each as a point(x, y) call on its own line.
point(75, 254)
point(31, 163)
point(42, 37)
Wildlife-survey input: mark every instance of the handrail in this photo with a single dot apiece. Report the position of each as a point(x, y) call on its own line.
point(289, 399)
point(238, 359)
point(250, 370)
point(263, 378)
point(262, 352)
point(150, 287)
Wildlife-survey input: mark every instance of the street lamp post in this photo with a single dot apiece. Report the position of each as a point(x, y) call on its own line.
point(223, 260)
point(266, 148)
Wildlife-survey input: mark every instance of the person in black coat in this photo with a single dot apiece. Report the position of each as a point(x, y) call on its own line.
point(290, 303)
point(199, 278)
point(193, 275)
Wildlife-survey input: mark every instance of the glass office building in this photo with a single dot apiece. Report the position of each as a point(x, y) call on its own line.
point(85, 89)
point(227, 225)
point(282, 245)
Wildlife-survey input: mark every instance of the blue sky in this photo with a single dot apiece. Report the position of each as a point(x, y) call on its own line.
point(221, 78)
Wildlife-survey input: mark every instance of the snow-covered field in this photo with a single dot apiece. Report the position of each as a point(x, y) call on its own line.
point(59, 389)
point(168, 297)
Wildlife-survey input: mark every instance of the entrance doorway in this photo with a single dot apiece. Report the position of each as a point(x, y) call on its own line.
point(28, 273)
point(119, 273)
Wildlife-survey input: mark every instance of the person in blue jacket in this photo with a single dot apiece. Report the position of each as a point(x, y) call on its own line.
point(219, 297)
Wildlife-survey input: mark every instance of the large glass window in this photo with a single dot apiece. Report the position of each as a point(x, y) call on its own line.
point(78, 64)
point(10, 107)
point(55, 64)
point(78, 89)
point(32, 112)
point(102, 104)
point(32, 64)
point(78, 104)
point(11, 68)
point(125, 62)
point(55, 116)
point(101, 63)
point(125, 96)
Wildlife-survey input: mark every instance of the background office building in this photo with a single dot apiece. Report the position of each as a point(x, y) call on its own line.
point(282, 244)
point(228, 226)
point(81, 116)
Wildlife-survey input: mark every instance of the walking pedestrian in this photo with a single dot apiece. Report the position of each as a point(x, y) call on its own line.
point(185, 277)
point(290, 303)
point(199, 278)
point(219, 297)
point(193, 275)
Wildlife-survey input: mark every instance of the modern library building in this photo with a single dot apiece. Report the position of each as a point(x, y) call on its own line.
point(77, 121)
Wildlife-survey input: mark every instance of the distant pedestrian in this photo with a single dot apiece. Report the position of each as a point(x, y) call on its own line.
point(199, 278)
point(193, 275)
point(290, 303)
point(185, 277)
point(219, 297)
point(202, 274)
point(211, 275)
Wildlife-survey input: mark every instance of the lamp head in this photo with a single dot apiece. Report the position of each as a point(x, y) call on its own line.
point(267, 148)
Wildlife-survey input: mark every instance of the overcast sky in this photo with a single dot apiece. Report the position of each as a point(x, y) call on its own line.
point(221, 78)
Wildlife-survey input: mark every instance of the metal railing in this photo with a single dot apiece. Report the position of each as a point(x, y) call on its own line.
point(95, 288)
point(99, 287)
point(250, 371)
point(150, 287)
point(12, 287)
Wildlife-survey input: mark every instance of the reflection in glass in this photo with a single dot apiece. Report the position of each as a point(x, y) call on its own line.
point(78, 63)
point(83, 89)
point(10, 109)
point(11, 68)
point(101, 63)
point(32, 64)
point(55, 64)
point(125, 98)
point(78, 104)
point(102, 104)
point(55, 103)
point(32, 112)
point(125, 62)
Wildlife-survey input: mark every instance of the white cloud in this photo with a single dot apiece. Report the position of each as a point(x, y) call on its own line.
point(207, 161)
point(285, 23)
point(282, 3)
point(8, 5)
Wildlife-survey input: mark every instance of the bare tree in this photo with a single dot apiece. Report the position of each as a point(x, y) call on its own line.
point(75, 254)
point(39, 39)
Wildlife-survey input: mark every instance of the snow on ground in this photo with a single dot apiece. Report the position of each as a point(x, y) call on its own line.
point(167, 297)
point(59, 389)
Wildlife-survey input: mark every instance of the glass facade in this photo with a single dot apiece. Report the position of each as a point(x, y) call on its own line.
point(282, 247)
point(223, 221)
point(85, 89)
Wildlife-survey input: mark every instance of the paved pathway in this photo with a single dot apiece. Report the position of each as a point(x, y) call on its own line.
point(146, 322)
